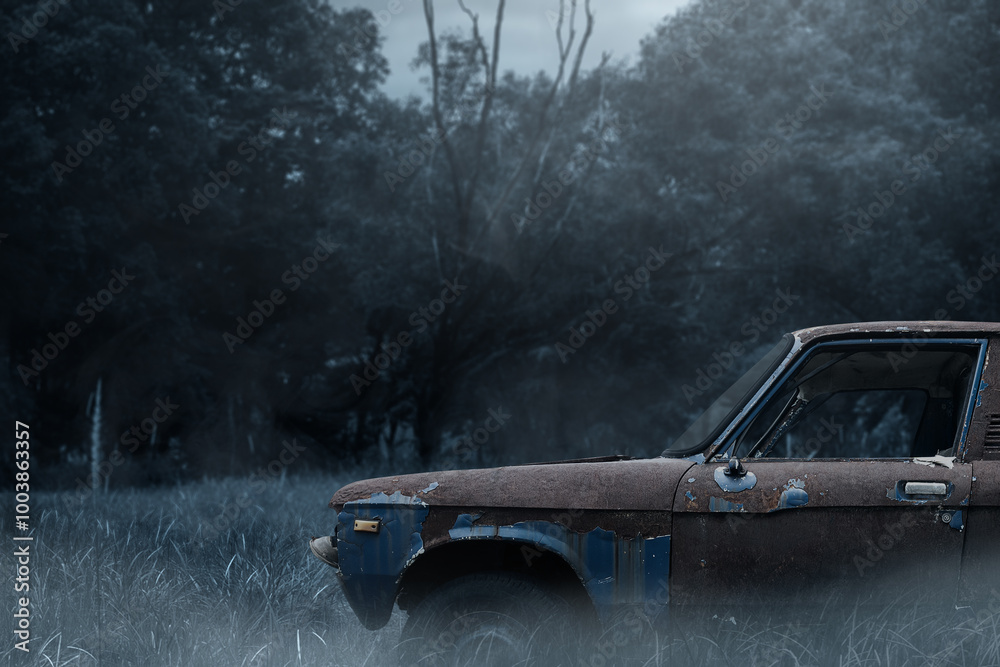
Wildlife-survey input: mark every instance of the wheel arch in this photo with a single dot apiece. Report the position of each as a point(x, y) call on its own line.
point(457, 558)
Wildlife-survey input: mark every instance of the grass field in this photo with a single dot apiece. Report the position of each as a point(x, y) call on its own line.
point(136, 578)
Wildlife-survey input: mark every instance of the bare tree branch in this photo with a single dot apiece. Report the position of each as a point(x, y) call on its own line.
point(543, 114)
point(482, 130)
point(476, 36)
point(583, 44)
point(436, 104)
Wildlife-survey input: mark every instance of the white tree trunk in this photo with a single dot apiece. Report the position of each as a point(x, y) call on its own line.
point(95, 440)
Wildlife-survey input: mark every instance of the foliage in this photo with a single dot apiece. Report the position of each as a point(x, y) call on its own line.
point(540, 195)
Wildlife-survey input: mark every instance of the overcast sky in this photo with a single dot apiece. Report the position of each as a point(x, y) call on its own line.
point(528, 41)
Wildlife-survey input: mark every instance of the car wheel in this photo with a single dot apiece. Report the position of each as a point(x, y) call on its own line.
point(492, 618)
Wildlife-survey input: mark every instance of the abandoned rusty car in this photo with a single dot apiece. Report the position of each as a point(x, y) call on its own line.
point(841, 443)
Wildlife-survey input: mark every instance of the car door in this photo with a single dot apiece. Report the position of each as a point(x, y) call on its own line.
point(851, 496)
point(980, 572)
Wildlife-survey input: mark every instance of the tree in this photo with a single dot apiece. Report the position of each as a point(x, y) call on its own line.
point(182, 146)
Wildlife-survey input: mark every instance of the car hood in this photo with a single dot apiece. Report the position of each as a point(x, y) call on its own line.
point(598, 484)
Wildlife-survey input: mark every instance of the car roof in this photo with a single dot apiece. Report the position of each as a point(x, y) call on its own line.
point(902, 329)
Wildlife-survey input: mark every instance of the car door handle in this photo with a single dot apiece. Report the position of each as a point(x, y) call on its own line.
point(925, 488)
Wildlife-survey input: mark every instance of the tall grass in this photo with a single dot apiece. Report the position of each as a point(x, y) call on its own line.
point(125, 579)
point(129, 578)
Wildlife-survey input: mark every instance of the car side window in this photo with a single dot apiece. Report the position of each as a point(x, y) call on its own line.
point(872, 401)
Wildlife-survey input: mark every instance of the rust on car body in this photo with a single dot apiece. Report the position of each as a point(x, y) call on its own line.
point(616, 555)
point(646, 484)
point(688, 528)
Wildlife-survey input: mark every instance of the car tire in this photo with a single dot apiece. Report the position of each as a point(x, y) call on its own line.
point(494, 618)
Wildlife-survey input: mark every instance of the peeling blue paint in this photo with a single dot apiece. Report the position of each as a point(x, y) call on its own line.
point(893, 493)
point(792, 497)
point(466, 520)
point(734, 484)
point(689, 495)
point(723, 505)
point(614, 569)
point(430, 487)
point(956, 521)
point(979, 397)
point(464, 528)
point(370, 563)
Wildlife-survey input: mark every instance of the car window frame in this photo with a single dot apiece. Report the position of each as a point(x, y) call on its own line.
point(790, 344)
point(720, 449)
point(923, 395)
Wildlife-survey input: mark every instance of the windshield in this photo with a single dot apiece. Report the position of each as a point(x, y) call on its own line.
point(707, 427)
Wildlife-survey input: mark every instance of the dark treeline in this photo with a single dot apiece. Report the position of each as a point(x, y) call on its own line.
point(213, 214)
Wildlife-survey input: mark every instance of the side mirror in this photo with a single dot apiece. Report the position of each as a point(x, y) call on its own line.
point(734, 478)
point(736, 468)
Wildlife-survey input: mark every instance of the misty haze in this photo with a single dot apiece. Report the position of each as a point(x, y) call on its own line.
point(293, 292)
